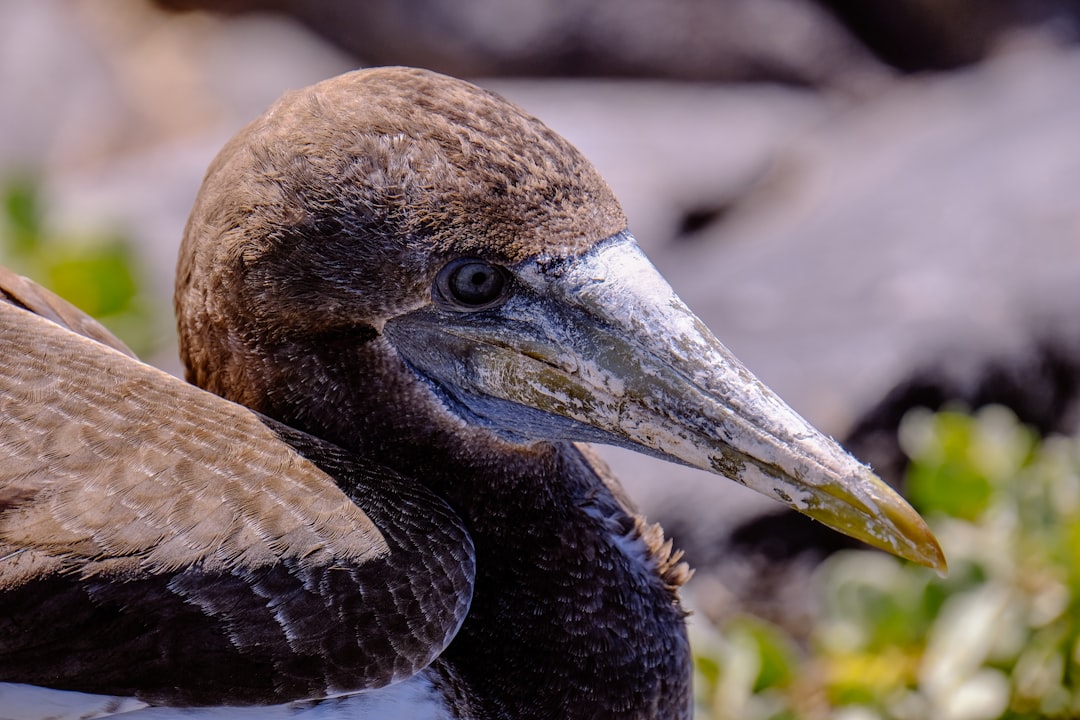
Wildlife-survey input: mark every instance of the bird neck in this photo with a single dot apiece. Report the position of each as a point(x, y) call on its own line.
point(571, 616)
point(575, 612)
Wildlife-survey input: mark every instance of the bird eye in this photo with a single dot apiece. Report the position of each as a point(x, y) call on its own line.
point(471, 284)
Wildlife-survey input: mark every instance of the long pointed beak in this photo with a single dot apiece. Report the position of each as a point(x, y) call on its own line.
point(601, 348)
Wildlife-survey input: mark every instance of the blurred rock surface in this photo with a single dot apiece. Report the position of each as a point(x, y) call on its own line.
point(788, 41)
point(822, 43)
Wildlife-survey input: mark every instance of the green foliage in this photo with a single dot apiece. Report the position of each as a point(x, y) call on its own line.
point(98, 273)
point(998, 638)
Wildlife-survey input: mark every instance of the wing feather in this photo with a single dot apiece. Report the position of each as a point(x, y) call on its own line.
point(27, 294)
point(160, 542)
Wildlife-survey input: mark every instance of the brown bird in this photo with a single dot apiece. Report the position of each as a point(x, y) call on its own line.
point(409, 302)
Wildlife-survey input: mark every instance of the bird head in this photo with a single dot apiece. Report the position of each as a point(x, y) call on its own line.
point(490, 264)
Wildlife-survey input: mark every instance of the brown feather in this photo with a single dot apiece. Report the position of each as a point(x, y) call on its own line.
point(394, 168)
point(170, 510)
point(152, 514)
point(118, 486)
point(330, 215)
point(28, 294)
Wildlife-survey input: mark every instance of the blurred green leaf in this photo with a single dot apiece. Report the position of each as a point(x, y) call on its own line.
point(998, 638)
point(98, 273)
point(99, 279)
point(776, 652)
point(957, 465)
point(22, 214)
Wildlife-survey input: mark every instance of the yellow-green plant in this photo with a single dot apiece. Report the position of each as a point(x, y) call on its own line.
point(97, 272)
point(999, 637)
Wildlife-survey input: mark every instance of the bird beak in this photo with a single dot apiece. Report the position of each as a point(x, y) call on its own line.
point(599, 348)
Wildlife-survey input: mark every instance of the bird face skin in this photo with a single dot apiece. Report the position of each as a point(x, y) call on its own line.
point(598, 347)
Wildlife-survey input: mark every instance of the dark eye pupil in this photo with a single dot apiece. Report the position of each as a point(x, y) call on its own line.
point(472, 283)
point(476, 283)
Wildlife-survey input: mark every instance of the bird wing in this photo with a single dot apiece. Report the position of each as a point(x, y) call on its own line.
point(160, 542)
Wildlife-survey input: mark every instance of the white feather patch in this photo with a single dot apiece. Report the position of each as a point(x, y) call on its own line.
point(413, 699)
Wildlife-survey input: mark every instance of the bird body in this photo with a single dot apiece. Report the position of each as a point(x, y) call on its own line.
point(407, 303)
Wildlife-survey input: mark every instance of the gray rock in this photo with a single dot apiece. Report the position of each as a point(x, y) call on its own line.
point(788, 41)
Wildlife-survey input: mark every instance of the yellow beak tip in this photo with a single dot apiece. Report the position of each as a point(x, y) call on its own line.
point(932, 556)
point(914, 540)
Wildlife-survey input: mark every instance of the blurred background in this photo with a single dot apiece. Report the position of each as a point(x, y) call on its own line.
point(874, 203)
